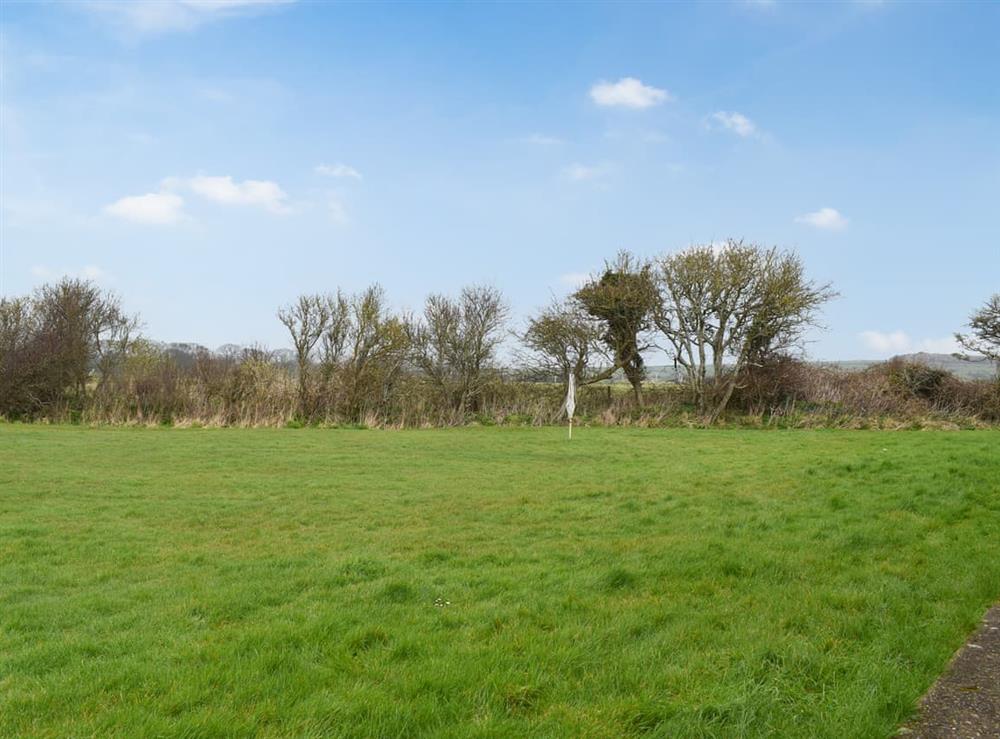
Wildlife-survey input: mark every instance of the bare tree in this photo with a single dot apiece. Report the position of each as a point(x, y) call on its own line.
point(984, 338)
point(726, 309)
point(456, 341)
point(563, 340)
point(16, 325)
point(334, 340)
point(623, 300)
point(307, 320)
point(366, 348)
point(113, 340)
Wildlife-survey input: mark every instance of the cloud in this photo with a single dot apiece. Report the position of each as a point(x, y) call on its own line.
point(628, 92)
point(735, 122)
point(148, 17)
point(167, 206)
point(158, 208)
point(337, 170)
point(585, 172)
point(828, 219)
point(225, 190)
point(886, 343)
point(899, 342)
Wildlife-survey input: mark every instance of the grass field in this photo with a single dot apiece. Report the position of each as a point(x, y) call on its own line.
point(486, 582)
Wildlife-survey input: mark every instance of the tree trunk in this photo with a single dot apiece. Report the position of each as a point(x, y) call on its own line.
point(723, 402)
point(303, 390)
point(634, 376)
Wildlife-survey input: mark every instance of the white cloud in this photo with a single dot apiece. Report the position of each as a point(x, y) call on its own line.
point(899, 342)
point(944, 345)
point(145, 17)
point(159, 208)
point(584, 172)
point(886, 343)
point(826, 218)
point(735, 122)
point(167, 206)
point(262, 193)
point(628, 92)
point(337, 170)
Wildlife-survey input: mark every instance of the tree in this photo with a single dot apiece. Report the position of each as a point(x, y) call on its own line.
point(55, 343)
point(81, 329)
point(456, 341)
point(729, 309)
point(307, 320)
point(563, 340)
point(985, 336)
point(365, 348)
point(21, 389)
point(335, 336)
point(623, 300)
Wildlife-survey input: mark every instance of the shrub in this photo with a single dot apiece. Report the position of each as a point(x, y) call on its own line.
point(913, 379)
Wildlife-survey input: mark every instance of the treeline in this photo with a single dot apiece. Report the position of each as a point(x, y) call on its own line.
point(732, 319)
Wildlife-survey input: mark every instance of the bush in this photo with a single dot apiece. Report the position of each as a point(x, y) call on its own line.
point(913, 379)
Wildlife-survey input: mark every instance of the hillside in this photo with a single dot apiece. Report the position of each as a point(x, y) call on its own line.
point(975, 369)
point(967, 369)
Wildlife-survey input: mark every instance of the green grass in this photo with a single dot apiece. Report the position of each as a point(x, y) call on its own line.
point(486, 582)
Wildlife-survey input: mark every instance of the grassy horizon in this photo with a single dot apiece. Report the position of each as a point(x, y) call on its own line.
point(486, 581)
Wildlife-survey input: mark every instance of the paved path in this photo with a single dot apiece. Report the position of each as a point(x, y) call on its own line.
point(965, 702)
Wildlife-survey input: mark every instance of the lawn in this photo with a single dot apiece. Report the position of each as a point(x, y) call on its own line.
point(486, 582)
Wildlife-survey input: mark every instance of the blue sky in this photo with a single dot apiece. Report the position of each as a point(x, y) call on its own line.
point(210, 159)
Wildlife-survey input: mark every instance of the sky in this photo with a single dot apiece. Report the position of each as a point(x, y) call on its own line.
point(210, 160)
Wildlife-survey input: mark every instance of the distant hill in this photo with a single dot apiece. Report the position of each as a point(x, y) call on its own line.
point(969, 369)
point(974, 369)
point(184, 353)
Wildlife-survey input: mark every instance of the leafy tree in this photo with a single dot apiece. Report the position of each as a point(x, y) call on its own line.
point(622, 299)
point(563, 340)
point(984, 338)
point(732, 308)
point(56, 343)
point(22, 389)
